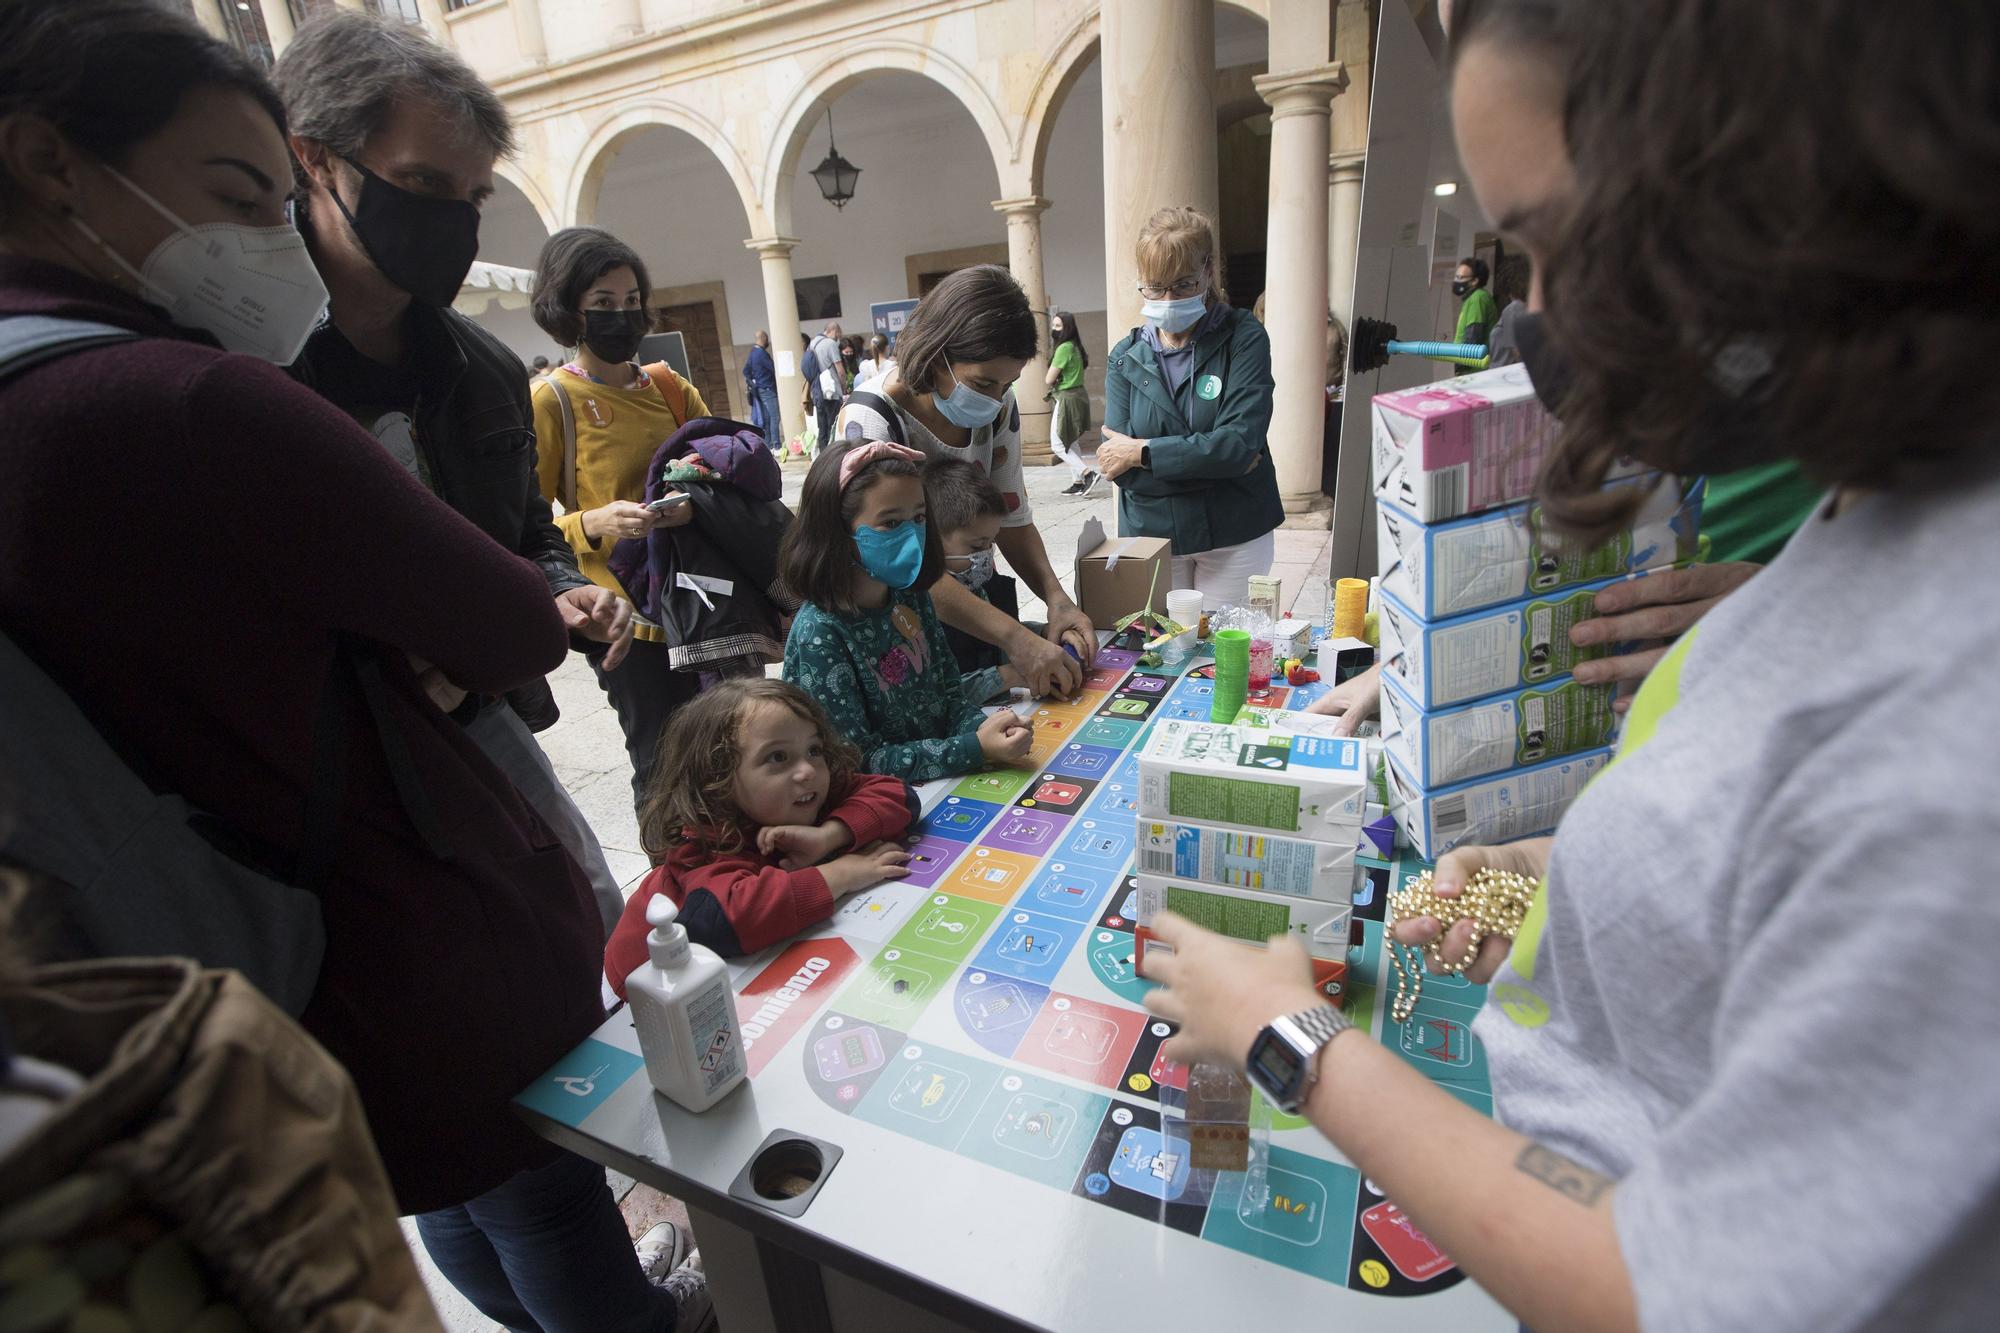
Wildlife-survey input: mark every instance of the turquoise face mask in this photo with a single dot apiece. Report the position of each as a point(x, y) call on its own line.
point(1175, 316)
point(893, 555)
point(965, 408)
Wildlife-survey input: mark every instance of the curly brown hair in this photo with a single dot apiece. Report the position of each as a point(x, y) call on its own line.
point(692, 794)
point(1740, 197)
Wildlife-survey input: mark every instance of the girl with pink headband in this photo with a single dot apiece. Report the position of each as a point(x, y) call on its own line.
point(867, 643)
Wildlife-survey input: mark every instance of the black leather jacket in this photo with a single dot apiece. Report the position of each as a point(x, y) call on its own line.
point(477, 433)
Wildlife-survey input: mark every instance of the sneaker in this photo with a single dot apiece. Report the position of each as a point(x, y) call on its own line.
point(664, 1248)
point(688, 1285)
point(1088, 484)
point(1074, 488)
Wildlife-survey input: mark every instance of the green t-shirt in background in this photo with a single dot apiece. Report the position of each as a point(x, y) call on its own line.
point(1751, 514)
point(1069, 362)
point(1479, 308)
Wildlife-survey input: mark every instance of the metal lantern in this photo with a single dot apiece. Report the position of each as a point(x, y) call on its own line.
point(835, 176)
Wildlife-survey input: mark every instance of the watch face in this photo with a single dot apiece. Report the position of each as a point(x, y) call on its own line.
point(1275, 1066)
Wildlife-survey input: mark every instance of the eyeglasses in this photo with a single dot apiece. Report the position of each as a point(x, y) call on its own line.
point(1180, 290)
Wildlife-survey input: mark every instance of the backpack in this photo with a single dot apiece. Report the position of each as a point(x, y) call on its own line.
point(145, 872)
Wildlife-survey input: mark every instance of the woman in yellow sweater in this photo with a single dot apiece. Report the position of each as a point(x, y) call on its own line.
point(598, 421)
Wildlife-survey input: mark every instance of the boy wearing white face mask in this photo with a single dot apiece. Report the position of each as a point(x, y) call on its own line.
point(966, 509)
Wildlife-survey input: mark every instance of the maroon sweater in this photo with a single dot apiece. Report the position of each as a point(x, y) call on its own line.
point(182, 534)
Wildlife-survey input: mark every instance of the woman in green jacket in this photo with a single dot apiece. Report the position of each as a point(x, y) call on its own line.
point(1187, 411)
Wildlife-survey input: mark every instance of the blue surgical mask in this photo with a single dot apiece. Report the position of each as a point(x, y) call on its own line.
point(978, 571)
point(893, 555)
point(1175, 316)
point(965, 408)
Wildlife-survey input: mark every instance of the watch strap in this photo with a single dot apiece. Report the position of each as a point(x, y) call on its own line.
point(1322, 1022)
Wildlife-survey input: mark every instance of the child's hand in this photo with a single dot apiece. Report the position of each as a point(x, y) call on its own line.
point(871, 865)
point(1004, 739)
point(798, 845)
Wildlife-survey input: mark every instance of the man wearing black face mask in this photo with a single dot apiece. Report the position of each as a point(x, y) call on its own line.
point(395, 141)
point(1477, 313)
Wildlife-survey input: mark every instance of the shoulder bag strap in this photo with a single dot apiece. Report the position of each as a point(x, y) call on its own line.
point(26, 341)
point(567, 480)
point(887, 410)
point(669, 384)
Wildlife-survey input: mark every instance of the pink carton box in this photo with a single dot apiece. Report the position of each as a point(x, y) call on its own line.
point(1464, 444)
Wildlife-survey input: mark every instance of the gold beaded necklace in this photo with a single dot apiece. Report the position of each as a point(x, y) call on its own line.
point(1495, 901)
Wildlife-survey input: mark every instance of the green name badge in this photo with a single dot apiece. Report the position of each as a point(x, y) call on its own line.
point(1208, 387)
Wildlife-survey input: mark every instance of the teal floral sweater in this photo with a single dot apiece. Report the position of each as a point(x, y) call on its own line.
point(899, 701)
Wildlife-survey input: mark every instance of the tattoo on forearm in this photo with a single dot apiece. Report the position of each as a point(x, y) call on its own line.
point(1560, 1174)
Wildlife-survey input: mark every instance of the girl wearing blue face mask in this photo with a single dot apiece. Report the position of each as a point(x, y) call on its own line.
point(867, 643)
point(1187, 411)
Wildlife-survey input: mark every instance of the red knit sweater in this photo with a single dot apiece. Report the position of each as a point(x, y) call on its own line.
point(742, 902)
point(182, 534)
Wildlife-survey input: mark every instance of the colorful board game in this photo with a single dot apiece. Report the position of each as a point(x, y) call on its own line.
point(988, 1007)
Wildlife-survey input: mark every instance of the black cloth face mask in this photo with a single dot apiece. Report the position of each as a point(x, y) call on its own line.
point(614, 334)
point(1733, 433)
point(424, 246)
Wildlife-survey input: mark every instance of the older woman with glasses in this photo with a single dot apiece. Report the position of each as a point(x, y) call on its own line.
point(1187, 410)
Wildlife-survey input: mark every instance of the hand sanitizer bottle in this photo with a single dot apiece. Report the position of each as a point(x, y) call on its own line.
point(685, 1014)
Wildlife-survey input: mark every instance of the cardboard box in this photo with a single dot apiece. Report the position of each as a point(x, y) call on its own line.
point(1520, 803)
point(1263, 781)
point(1461, 445)
point(1114, 574)
point(1245, 914)
point(1440, 570)
point(1515, 730)
point(1495, 651)
point(1268, 862)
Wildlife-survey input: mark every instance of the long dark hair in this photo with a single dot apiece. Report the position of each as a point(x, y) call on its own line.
point(976, 314)
point(1738, 200)
point(111, 73)
point(817, 559)
point(571, 260)
point(1070, 334)
point(691, 796)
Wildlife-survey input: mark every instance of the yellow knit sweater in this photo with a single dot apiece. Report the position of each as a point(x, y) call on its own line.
point(617, 431)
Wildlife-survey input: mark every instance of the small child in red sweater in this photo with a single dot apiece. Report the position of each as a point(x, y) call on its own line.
point(753, 792)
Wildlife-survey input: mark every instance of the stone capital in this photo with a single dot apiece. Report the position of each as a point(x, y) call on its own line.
point(1032, 206)
point(1302, 92)
point(772, 245)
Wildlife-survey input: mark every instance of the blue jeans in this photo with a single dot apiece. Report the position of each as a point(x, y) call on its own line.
point(547, 1252)
point(774, 422)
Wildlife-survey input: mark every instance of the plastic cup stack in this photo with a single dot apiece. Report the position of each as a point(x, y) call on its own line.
point(1232, 674)
point(1183, 608)
point(1350, 608)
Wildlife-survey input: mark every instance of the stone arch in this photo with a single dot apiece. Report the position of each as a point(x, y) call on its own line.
point(601, 150)
point(1050, 90)
point(843, 71)
point(532, 190)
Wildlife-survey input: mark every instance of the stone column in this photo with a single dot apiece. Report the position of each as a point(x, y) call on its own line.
point(781, 308)
point(1159, 130)
point(529, 36)
point(1343, 235)
point(1024, 259)
point(278, 25)
point(1295, 295)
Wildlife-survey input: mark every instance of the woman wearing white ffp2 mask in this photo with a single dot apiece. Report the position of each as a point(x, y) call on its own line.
point(254, 288)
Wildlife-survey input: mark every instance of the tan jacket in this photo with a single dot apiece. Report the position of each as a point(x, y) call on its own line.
point(212, 1138)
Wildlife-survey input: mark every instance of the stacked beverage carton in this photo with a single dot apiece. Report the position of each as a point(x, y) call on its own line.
point(1251, 830)
point(1487, 736)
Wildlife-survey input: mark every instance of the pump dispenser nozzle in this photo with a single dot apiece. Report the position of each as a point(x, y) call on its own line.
point(668, 940)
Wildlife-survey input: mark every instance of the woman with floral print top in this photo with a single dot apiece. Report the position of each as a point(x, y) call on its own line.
point(867, 643)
